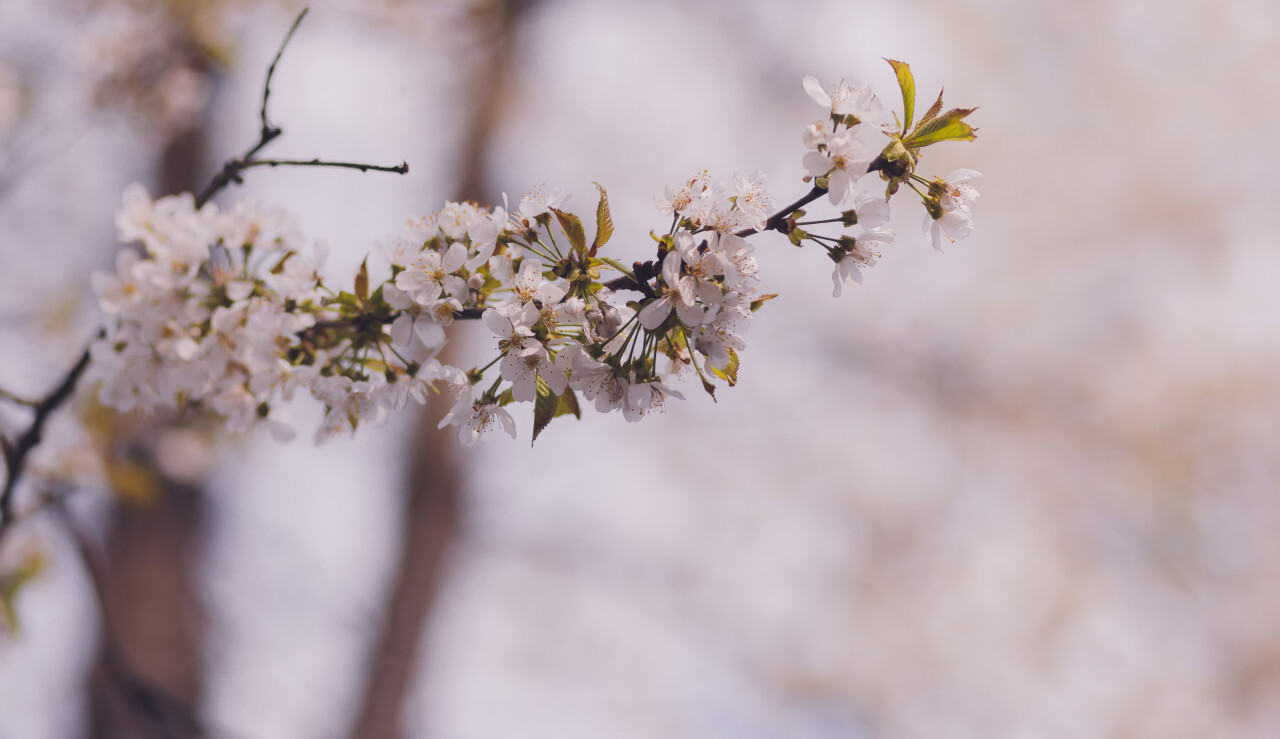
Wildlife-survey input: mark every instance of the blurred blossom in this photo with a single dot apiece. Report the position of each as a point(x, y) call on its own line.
point(184, 455)
point(152, 64)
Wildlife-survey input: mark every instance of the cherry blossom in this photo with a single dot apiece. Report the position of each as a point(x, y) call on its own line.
point(229, 309)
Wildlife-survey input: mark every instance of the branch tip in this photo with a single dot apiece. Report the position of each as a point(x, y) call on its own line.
point(269, 131)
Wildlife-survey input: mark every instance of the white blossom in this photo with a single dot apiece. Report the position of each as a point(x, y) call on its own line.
point(457, 218)
point(843, 161)
point(847, 97)
point(687, 196)
point(529, 286)
point(715, 338)
point(752, 200)
point(861, 254)
point(424, 279)
point(647, 399)
point(681, 295)
point(956, 201)
point(477, 419)
point(484, 233)
point(538, 202)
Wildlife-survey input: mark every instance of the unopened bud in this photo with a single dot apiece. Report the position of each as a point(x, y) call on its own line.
point(894, 163)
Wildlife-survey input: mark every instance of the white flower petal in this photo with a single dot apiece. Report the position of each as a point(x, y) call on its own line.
point(962, 175)
point(653, 314)
point(817, 164)
point(819, 95)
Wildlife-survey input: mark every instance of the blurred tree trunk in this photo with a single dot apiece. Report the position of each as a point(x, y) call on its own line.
point(430, 528)
point(433, 499)
point(148, 678)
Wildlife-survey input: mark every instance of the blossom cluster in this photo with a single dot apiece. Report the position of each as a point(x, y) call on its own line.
point(207, 310)
point(842, 155)
point(562, 333)
point(228, 310)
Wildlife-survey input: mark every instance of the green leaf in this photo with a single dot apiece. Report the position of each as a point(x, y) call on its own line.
point(568, 405)
point(349, 304)
point(710, 388)
point(755, 304)
point(11, 583)
point(616, 265)
point(362, 281)
point(931, 113)
point(547, 405)
point(730, 373)
point(572, 226)
point(947, 127)
point(544, 408)
point(908, 84)
point(604, 221)
point(279, 268)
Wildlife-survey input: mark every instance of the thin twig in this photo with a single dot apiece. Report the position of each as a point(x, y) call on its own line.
point(12, 398)
point(15, 453)
point(269, 132)
point(402, 168)
point(266, 88)
point(266, 132)
point(778, 218)
point(640, 281)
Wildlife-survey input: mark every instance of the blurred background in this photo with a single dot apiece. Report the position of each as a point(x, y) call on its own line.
point(1024, 488)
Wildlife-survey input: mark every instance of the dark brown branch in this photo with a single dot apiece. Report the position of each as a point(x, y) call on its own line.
point(271, 70)
point(645, 272)
point(363, 322)
point(638, 280)
point(15, 452)
point(777, 219)
point(402, 168)
point(269, 132)
point(266, 133)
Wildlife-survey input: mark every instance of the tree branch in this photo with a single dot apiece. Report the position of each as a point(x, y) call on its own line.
point(402, 168)
point(778, 218)
point(269, 132)
point(271, 70)
point(649, 270)
point(18, 399)
point(15, 453)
